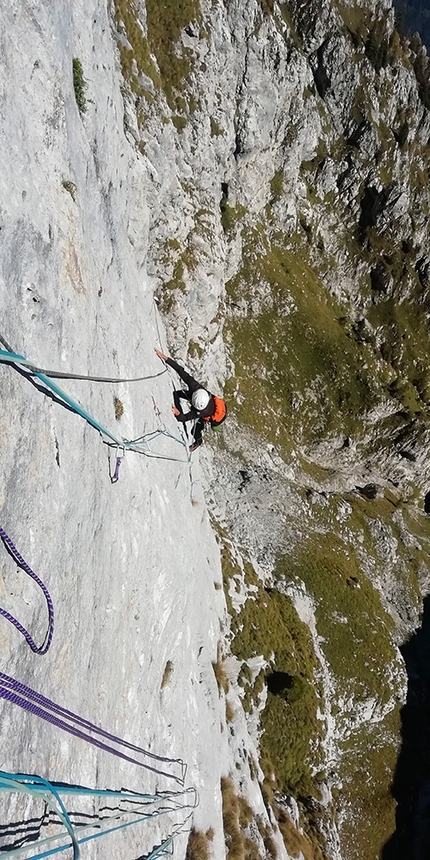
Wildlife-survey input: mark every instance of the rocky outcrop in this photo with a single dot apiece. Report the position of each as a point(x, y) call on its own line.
point(288, 249)
point(292, 178)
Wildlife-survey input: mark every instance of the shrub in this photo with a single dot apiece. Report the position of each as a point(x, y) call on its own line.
point(180, 122)
point(295, 842)
point(269, 842)
point(237, 815)
point(229, 712)
point(230, 215)
point(168, 669)
point(216, 130)
point(198, 844)
point(70, 187)
point(119, 408)
point(220, 675)
point(79, 85)
point(195, 350)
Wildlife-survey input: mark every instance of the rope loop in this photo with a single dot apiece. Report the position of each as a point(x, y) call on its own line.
point(33, 702)
point(25, 567)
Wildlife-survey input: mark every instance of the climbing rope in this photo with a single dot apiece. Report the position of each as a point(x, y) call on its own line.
point(13, 358)
point(23, 564)
point(137, 445)
point(19, 359)
point(33, 702)
point(70, 402)
point(17, 783)
point(146, 806)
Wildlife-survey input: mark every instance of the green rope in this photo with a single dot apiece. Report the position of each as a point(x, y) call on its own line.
point(133, 445)
point(40, 788)
point(13, 783)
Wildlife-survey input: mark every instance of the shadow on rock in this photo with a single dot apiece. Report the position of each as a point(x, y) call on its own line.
point(411, 785)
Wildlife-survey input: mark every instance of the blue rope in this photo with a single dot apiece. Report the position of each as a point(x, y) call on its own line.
point(133, 445)
point(11, 782)
point(10, 356)
point(35, 785)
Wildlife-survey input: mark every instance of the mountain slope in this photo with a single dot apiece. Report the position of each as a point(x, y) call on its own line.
point(288, 159)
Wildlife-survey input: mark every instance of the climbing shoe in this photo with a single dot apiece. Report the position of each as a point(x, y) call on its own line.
point(196, 444)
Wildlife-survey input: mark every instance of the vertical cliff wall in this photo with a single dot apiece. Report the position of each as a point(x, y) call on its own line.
point(286, 155)
point(253, 177)
point(132, 567)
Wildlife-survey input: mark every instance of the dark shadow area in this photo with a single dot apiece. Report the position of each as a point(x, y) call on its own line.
point(18, 833)
point(427, 503)
point(279, 683)
point(372, 204)
point(321, 78)
point(411, 785)
point(370, 491)
point(38, 384)
point(413, 16)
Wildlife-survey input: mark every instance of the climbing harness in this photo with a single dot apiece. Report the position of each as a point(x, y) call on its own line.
point(42, 649)
point(17, 693)
point(185, 438)
point(134, 807)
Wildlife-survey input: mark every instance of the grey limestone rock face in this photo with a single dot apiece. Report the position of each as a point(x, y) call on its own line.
point(291, 131)
point(75, 298)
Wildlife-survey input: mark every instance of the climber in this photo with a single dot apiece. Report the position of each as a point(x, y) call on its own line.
point(204, 406)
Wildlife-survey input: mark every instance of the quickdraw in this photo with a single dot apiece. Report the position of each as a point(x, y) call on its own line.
point(114, 475)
